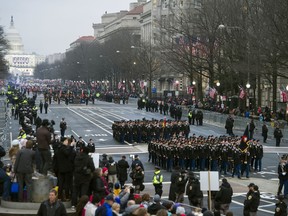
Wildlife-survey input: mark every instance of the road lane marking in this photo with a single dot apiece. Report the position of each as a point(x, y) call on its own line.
point(90, 121)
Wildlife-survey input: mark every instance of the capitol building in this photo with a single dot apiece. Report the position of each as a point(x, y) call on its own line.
point(19, 62)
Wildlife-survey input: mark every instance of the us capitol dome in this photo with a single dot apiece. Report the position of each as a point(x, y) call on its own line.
point(19, 62)
point(14, 39)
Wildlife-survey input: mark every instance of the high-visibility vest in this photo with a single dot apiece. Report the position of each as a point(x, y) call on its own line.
point(158, 177)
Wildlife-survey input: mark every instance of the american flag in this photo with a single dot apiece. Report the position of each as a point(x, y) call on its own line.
point(212, 92)
point(119, 85)
point(242, 92)
point(283, 96)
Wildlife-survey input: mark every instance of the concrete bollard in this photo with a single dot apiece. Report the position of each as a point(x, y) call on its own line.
point(40, 188)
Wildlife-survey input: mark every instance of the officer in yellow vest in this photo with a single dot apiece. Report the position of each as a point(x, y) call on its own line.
point(190, 115)
point(22, 134)
point(157, 181)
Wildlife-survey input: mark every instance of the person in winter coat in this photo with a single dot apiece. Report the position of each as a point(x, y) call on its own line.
point(43, 137)
point(252, 201)
point(105, 209)
point(97, 185)
point(137, 176)
point(64, 166)
point(52, 206)
point(224, 196)
point(112, 171)
point(173, 188)
point(136, 161)
point(195, 195)
point(122, 171)
point(280, 207)
point(155, 206)
point(278, 135)
point(264, 132)
point(84, 167)
point(104, 162)
point(23, 168)
point(181, 181)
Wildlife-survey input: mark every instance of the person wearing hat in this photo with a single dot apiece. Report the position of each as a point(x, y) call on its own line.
point(137, 176)
point(252, 201)
point(155, 206)
point(137, 161)
point(278, 135)
point(282, 174)
point(106, 208)
point(193, 191)
point(123, 166)
point(280, 207)
point(224, 196)
point(157, 181)
point(104, 162)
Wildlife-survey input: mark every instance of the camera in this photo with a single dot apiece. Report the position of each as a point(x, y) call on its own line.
point(132, 157)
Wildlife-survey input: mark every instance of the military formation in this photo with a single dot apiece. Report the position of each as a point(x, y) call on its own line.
point(211, 153)
point(146, 130)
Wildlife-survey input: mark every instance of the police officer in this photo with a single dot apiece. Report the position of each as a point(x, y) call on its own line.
point(252, 201)
point(137, 176)
point(157, 181)
point(41, 106)
point(280, 207)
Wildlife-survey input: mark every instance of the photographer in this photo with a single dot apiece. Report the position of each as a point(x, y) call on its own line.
point(137, 176)
point(43, 137)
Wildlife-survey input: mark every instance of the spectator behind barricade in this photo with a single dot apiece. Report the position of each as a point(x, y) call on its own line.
point(112, 171)
point(97, 185)
point(124, 196)
point(140, 212)
point(25, 160)
point(117, 189)
point(52, 206)
point(115, 209)
point(105, 178)
point(6, 181)
point(91, 207)
point(180, 211)
point(146, 200)
point(106, 209)
point(131, 207)
point(155, 206)
point(12, 154)
point(80, 210)
point(173, 187)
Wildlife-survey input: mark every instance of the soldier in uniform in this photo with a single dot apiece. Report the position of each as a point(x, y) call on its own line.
point(137, 176)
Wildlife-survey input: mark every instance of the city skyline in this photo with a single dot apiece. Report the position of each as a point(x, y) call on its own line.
point(48, 27)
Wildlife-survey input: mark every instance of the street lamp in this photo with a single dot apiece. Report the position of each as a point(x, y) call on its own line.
point(248, 85)
point(287, 88)
point(218, 84)
point(193, 83)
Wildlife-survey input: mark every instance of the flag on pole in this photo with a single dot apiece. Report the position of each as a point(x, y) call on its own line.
point(242, 92)
point(212, 92)
point(244, 140)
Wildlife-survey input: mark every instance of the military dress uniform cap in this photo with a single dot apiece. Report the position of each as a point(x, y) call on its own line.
point(157, 167)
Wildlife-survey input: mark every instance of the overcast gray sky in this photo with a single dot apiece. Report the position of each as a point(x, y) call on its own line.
point(49, 26)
